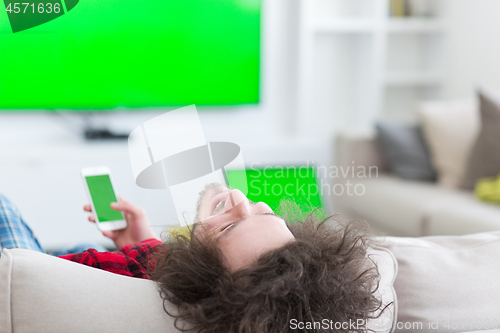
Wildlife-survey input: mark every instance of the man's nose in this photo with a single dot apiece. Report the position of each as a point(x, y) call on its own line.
point(238, 202)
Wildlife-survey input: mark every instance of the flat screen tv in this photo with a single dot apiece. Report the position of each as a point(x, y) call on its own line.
point(93, 55)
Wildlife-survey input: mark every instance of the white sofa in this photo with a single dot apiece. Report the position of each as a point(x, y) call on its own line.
point(399, 207)
point(449, 282)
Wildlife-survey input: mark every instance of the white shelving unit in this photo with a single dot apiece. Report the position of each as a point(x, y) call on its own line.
point(408, 78)
point(414, 25)
point(358, 64)
point(344, 25)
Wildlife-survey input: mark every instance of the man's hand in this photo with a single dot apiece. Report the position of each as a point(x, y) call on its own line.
point(138, 227)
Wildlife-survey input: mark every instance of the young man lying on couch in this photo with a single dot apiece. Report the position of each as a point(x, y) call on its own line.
point(244, 269)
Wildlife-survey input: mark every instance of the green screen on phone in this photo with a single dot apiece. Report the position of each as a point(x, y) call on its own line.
point(102, 194)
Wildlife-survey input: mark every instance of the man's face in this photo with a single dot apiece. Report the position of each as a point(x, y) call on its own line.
point(242, 230)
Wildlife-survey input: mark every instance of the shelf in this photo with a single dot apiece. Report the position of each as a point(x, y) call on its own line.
point(394, 25)
point(352, 48)
point(415, 78)
point(345, 25)
point(414, 25)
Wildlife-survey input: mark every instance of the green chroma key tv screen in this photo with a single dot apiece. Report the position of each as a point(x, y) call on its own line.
point(96, 55)
point(272, 184)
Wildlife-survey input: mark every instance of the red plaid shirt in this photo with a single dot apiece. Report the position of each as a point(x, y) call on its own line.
point(131, 260)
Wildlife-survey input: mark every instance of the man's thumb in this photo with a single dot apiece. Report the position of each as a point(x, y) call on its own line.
point(115, 205)
point(108, 234)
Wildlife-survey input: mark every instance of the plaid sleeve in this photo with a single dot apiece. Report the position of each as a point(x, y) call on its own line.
point(131, 260)
point(142, 252)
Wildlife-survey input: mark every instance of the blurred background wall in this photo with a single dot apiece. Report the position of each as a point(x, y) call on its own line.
point(473, 48)
point(327, 65)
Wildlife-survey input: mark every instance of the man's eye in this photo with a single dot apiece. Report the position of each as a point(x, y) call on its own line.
point(219, 206)
point(227, 227)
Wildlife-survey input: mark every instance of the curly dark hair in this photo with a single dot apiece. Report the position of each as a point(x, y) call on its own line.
point(323, 275)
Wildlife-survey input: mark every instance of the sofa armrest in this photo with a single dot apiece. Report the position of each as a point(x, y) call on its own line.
point(5, 292)
point(41, 293)
point(359, 148)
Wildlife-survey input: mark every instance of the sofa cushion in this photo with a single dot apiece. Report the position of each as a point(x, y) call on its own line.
point(450, 129)
point(451, 282)
point(484, 160)
point(400, 207)
point(461, 214)
point(393, 205)
point(41, 293)
point(359, 148)
point(406, 151)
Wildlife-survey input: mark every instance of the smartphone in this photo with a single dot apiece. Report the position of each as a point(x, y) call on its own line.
point(100, 193)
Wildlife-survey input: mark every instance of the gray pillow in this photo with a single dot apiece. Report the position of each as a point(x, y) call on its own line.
point(406, 151)
point(484, 160)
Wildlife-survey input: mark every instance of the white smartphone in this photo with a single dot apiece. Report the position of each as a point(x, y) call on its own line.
point(100, 193)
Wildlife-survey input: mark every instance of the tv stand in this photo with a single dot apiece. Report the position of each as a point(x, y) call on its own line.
point(93, 129)
point(103, 134)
